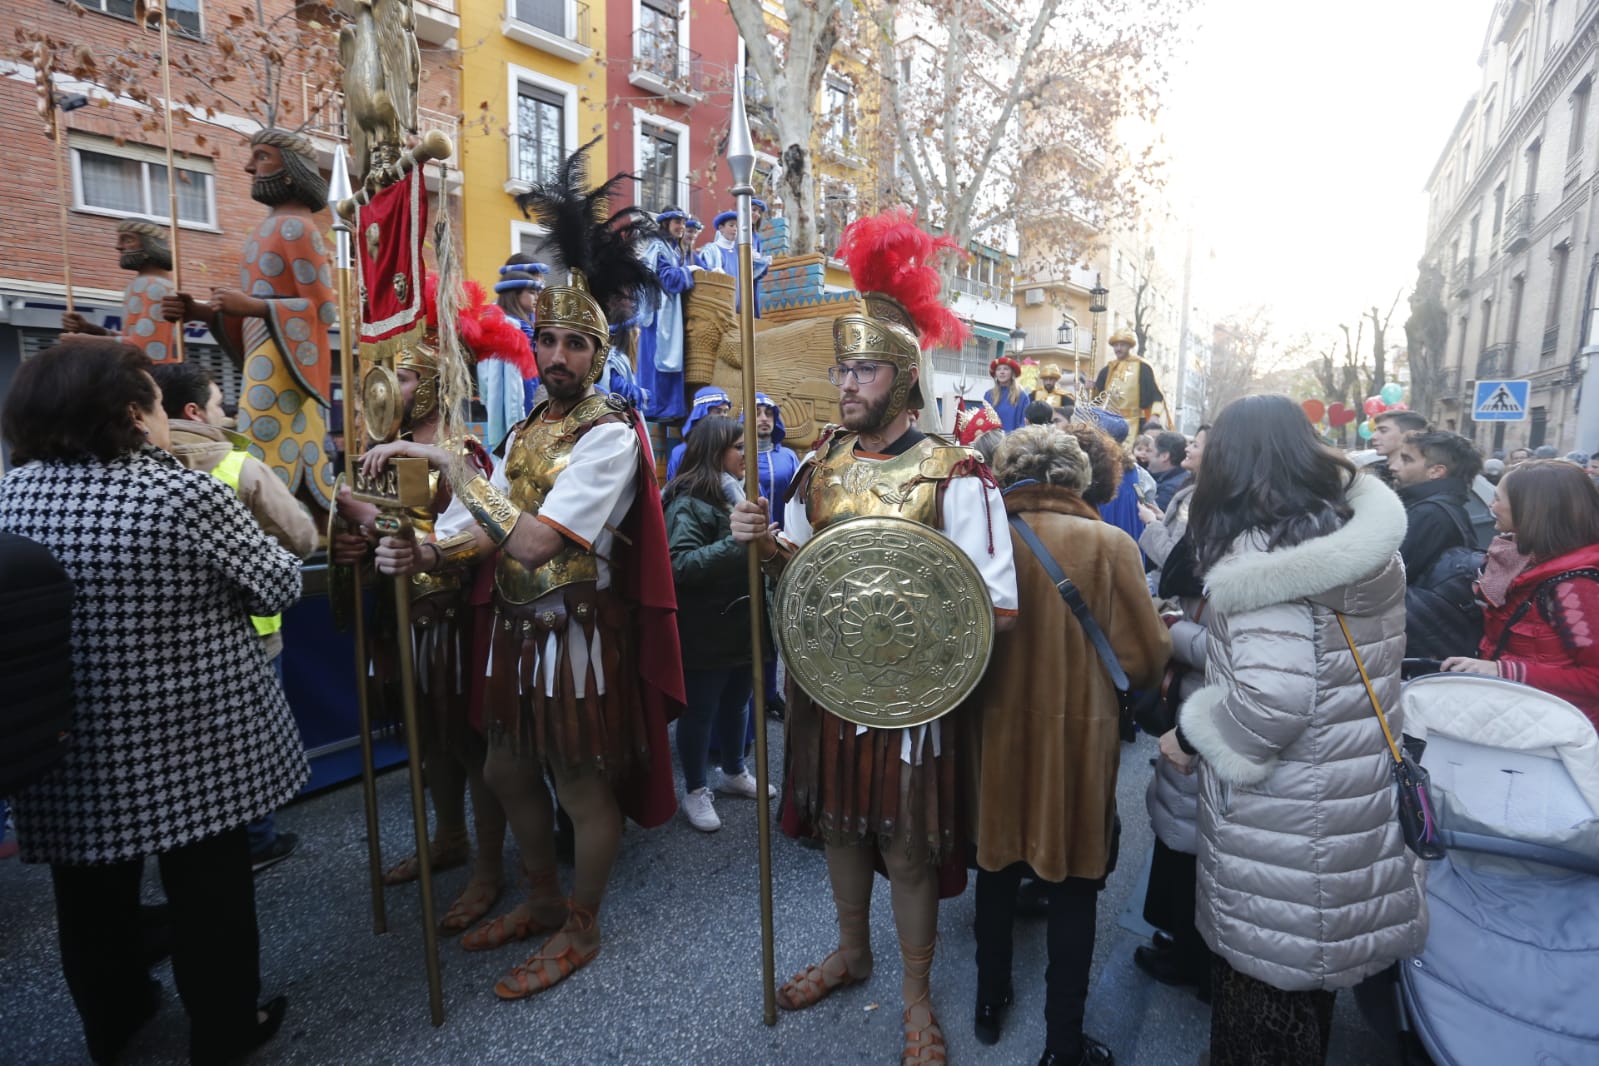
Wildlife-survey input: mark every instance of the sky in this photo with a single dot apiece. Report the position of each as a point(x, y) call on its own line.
point(1301, 137)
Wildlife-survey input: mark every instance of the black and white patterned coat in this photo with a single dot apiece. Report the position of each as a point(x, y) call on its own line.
point(181, 730)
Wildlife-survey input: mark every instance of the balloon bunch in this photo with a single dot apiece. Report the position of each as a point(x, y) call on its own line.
point(1391, 398)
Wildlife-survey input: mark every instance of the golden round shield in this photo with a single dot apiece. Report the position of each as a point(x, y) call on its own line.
point(381, 404)
point(884, 621)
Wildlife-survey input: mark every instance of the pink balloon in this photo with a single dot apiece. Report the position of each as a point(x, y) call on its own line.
point(1373, 405)
point(1400, 406)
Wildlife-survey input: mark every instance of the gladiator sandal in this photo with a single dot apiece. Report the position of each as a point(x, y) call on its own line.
point(446, 852)
point(924, 1039)
point(523, 920)
point(816, 982)
point(536, 974)
point(476, 900)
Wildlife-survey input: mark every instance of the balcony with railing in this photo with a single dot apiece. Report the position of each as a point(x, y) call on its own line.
point(558, 27)
point(1496, 361)
point(1460, 276)
point(661, 65)
point(324, 112)
point(437, 21)
point(982, 290)
point(1518, 223)
point(1449, 384)
point(757, 101)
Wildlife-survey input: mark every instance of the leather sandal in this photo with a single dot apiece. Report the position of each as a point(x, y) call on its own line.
point(924, 1044)
point(532, 977)
point(475, 901)
point(518, 924)
point(810, 986)
point(445, 855)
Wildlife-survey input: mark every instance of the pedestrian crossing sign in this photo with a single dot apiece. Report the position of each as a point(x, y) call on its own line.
point(1501, 401)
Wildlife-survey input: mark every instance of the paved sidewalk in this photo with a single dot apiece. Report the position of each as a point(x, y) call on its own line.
point(676, 983)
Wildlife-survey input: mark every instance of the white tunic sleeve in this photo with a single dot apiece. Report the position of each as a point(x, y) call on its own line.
point(593, 494)
point(796, 524)
point(974, 518)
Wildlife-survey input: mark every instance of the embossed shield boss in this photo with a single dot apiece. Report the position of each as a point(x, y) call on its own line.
point(884, 621)
point(381, 403)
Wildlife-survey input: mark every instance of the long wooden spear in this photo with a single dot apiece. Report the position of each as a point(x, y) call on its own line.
point(741, 163)
point(159, 8)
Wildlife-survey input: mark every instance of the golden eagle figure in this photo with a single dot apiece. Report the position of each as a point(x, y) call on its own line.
point(381, 66)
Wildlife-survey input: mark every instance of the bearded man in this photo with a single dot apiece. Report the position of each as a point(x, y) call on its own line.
point(275, 325)
point(142, 248)
point(1049, 390)
point(883, 794)
point(1127, 382)
point(583, 659)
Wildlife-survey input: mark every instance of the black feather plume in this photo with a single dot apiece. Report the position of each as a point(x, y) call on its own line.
point(602, 247)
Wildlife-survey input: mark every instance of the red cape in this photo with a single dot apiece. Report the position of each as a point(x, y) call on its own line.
point(644, 578)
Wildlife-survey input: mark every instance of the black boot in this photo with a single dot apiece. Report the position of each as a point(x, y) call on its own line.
point(990, 1018)
point(1093, 1054)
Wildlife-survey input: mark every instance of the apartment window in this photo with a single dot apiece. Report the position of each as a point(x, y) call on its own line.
point(1471, 249)
point(547, 15)
point(1579, 116)
point(1558, 262)
point(1513, 327)
point(839, 110)
point(1499, 215)
point(1488, 123)
point(131, 180)
point(540, 133)
point(1515, 79)
point(1550, 10)
point(657, 168)
point(1465, 161)
point(1534, 152)
point(657, 49)
point(185, 14)
point(838, 207)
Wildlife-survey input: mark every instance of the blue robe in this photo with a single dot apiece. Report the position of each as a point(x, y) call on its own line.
point(660, 337)
point(1011, 415)
point(1122, 511)
point(776, 469)
point(506, 395)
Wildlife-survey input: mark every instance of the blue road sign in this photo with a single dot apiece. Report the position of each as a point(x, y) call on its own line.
point(1501, 401)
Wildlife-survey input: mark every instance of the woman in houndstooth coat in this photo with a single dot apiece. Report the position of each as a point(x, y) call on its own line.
point(180, 734)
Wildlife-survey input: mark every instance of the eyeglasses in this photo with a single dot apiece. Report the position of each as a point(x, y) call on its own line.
point(863, 373)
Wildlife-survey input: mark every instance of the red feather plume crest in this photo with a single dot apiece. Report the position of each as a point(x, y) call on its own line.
point(889, 253)
point(486, 330)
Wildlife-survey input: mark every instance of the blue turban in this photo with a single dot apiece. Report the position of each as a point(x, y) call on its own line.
point(779, 431)
point(705, 399)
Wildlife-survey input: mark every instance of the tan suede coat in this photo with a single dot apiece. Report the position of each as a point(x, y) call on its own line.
point(1049, 742)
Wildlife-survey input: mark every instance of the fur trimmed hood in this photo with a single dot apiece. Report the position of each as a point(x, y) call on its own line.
point(1340, 563)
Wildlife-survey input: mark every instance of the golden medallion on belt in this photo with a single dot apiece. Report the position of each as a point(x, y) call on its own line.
point(884, 621)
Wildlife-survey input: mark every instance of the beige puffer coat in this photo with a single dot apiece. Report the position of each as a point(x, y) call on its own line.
point(1304, 879)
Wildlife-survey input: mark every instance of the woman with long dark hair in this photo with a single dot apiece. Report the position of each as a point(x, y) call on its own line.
point(1540, 585)
point(713, 613)
point(1305, 885)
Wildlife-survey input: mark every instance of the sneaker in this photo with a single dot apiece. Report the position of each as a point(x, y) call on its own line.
point(700, 811)
point(281, 848)
point(744, 784)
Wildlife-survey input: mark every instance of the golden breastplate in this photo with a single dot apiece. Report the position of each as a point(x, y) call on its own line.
point(905, 486)
point(543, 449)
point(423, 520)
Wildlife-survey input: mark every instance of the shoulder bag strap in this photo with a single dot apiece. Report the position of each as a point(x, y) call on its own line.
point(1074, 600)
point(1542, 587)
point(1371, 693)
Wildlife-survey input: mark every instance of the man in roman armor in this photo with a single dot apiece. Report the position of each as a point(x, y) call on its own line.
point(884, 795)
point(142, 248)
point(442, 629)
point(275, 325)
point(1127, 382)
point(583, 667)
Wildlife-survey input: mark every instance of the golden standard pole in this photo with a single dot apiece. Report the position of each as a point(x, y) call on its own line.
point(339, 191)
point(741, 163)
point(160, 9)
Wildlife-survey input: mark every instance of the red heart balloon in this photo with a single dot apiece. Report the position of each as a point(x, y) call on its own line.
point(1339, 415)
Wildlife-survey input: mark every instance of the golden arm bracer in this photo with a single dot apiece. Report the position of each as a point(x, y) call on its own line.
point(493, 511)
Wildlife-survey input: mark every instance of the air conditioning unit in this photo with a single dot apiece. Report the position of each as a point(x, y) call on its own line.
point(1033, 297)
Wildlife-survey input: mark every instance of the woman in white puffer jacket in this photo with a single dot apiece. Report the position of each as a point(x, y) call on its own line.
point(1305, 885)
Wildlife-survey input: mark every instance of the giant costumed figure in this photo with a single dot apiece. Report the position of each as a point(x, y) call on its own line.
point(895, 572)
point(142, 248)
point(584, 670)
point(1127, 383)
point(275, 325)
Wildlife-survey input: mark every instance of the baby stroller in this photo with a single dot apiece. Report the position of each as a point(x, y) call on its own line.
point(1512, 952)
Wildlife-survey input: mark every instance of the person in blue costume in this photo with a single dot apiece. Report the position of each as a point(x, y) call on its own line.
point(757, 216)
point(708, 401)
point(721, 255)
point(506, 394)
point(1006, 397)
point(660, 323)
point(1122, 511)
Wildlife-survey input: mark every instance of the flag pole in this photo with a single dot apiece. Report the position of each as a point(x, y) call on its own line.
point(159, 7)
point(741, 163)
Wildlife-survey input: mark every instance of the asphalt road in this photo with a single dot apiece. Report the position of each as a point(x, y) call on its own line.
point(677, 982)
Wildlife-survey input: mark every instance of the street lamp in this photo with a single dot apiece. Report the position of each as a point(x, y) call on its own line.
point(1066, 332)
point(1096, 302)
point(1096, 307)
point(1018, 341)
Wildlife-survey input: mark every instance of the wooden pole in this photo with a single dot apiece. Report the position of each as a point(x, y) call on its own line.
point(160, 8)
